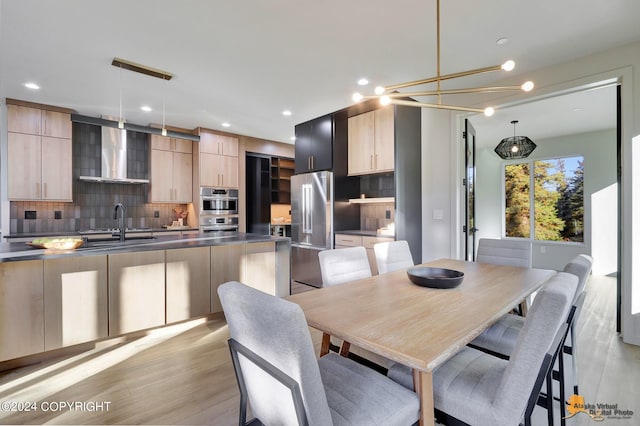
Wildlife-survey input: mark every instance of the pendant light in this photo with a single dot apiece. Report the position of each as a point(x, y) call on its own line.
point(389, 94)
point(515, 147)
point(146, 70)
point(120, 120)
point(164, 93)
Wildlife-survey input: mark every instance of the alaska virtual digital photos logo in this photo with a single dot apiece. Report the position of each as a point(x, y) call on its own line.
point(598, 411)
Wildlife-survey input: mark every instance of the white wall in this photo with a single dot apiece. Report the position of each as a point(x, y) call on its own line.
point(623, 64)
point(599, 151)
point(437, 185)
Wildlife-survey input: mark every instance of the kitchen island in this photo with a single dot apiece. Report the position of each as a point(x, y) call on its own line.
point(52, 299)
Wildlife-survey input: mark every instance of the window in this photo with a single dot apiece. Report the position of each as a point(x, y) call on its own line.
point(545, 198)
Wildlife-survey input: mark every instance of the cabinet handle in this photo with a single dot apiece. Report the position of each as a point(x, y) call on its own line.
point(37, 189)
point(375, 162)
point(309, 163)
point(313, 162)
point(44, 187)
point(371, 158)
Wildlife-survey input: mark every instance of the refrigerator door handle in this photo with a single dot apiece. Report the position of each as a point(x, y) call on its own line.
point(307, 208)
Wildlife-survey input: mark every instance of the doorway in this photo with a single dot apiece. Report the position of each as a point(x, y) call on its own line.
point(258, 195)
point(576, 123)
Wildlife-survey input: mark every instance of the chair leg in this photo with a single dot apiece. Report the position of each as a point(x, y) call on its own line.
point(563, 401)
point(550, 397)
point(574, 360)
point(324, 347)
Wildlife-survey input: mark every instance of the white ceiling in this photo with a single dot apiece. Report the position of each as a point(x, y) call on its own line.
point(245, 61)
point(567, 114)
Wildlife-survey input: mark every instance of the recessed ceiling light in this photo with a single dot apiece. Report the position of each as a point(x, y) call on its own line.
point(146, 108)
point(363, 82)
point(31, 85)
point(502, 40)
point(225, 124)
point(286, 112)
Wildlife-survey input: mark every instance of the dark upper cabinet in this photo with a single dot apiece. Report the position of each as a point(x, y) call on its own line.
point(314, 145)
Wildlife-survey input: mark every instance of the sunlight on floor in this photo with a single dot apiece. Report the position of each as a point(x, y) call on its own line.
point(40, 385)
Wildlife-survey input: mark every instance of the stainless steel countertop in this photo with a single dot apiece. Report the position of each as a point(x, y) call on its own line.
point(10, 252)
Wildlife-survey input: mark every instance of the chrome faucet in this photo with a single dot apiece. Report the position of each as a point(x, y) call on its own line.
point(115, 217)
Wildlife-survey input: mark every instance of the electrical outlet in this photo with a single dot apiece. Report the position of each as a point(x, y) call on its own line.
point(387, 214)
point(30, 214)
point(156, 213)
point(57, 214)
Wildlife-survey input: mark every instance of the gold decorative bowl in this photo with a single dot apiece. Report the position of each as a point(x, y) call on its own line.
point(56, 243)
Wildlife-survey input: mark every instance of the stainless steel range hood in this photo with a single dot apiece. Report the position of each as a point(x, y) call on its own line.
point(114, 158)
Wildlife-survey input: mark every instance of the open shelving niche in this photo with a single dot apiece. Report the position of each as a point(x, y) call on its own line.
point(281, 171)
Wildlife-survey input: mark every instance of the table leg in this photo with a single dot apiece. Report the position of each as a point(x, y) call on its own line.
point(344, 349)
point(324, 347)
point(423, 384)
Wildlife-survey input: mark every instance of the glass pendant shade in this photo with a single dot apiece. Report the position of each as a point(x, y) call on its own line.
point(515, 147)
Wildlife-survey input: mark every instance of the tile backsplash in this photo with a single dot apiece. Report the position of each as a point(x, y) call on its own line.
point(93, 202)
point(374, 216)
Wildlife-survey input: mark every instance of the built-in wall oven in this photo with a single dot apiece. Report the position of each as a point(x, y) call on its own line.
point(218, 210)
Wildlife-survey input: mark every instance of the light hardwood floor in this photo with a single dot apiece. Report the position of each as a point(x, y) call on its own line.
point(183, 374)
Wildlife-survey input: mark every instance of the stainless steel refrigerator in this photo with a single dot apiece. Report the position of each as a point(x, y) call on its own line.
point(311, 224)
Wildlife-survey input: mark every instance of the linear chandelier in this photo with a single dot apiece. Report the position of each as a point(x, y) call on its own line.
point(389, 94)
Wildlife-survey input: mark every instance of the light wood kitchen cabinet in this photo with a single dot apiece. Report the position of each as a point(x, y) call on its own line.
point(165, 143)
point(259, 266)
point(39, 155)
point(371, 142)
point(56, 124)
point(218, 160)
point(136, 291)
point(75, 300)
point(171, 170)
point(218, 171)
point(226, 265)
point(57, 171)
point(348, 240)
point(21, 119)
point(24, 166)
point(21, 309)
point(188, 289)
point(213, 143)
point(34, 121)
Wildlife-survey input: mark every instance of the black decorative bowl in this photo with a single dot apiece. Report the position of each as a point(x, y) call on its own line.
point(435, 277)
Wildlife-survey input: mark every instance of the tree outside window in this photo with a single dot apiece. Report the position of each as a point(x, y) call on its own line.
point(554, 210)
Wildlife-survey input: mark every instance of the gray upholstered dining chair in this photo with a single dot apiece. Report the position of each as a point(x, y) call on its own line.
point(480, 389)
point(508, 253)
point(392, 256)
point(284, 383)
point(504, 252)
point(339, 266)
point(500, 338)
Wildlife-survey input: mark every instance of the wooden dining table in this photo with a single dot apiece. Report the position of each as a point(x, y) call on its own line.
point(418, 326)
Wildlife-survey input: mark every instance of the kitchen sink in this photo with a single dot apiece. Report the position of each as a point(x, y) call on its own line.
point(115, 241)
